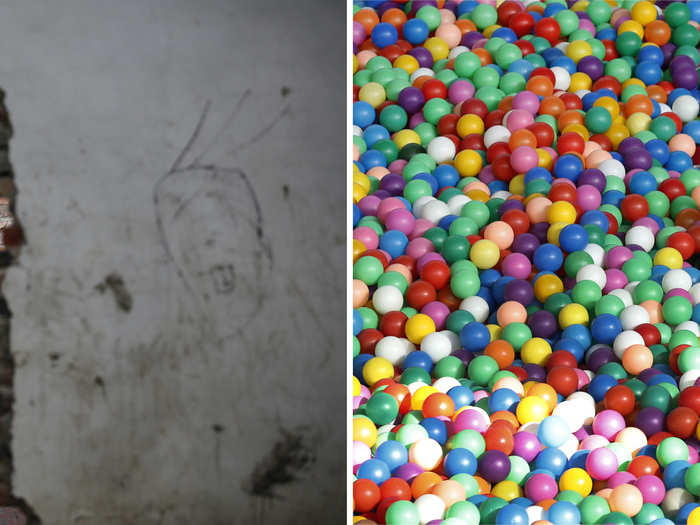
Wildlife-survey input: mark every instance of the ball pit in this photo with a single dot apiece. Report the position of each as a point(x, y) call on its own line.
point(526, 249)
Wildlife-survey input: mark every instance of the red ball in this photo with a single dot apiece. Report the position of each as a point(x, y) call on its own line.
point(408, 262)
point(502, 169)
point(434, 88)
point(474, 106)
point(571, 101)
point(563, 379)
point(383, 507)
point(690, 397)
point(366, 494)
point(498, 437)
point(666, 86)
point(610, 50)
point(543, 133)
point(395, 488)
point(447, 125)
point(563, 192)
point(518, 220)
point(391, 52)
point(525, 46)
point(548, 28)
point(612, 223)
point(420, 293)
point(675, 118)
point(368, 339)
point(672, 188)
point(394, 324)
point(560, 358)
point(657, 438)
point(634, 207)
point(448, 298)
point(642, 466)
point(473, 141)
point(543, 72)
point(499, 149)
point(494, 118)
point(620, 398)
point(649, 333)
point(607, 82)
point(521, 23)
point(694, 232)
point(603, 140)
point(405, 45)
point(379, 255)
point(436, 273)
point(569, 142)
point(681, 422)
point(506, 10)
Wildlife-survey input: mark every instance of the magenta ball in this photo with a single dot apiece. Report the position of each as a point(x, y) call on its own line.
point(620, 478)
point(516, 265)
point(652, 489)
point(460, 90)
point(418, 247)
point(615, 279)
point(471, 419)
point(601, 463)
point(526, 445)
point(608, 423)
point(524, 158)
point(541, 486)
point(589, 197)
point(399, 219)
point(438, 312)
point(528, 101)
point(617, 256)
point(518, 119)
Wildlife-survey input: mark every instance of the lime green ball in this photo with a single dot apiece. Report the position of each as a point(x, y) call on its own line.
point(636, 270)
point(692, 479)
point(481, 368)
point(659, 203)
point(682, 337)
point(464, 511)
point(519, 469)
point(387, 279)
point(403, 512)
point(517, 334)
point(436, 108)
point(484, 15)
point(567, 20)
point(575, 261)
point(494, 44)
point(370, 319)
point(486, 77)
point(356, 348)
point(617, 518)
point(471, 488)
point(682, 203)
point(689, 359)
point(609, 304)
point(372, 222)
point(464, 284)
point(450, 366)
point(512, 83)
point(368, 270)
point(586, 293)
point(477, 211)
point(647, 290)
point(677, 310)
point(593, 508)
point(489, 95)
point(690, 179)
point(470, 439)
point(415, 189)
point(619, 69)
point(466, 64)
point(430, 15)
point(671, 449)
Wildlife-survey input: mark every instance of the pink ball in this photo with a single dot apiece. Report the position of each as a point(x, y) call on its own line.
point(649, 223)
point(593, 442)
point(616, 279)
point(516, 265)
point(589, 197)
point(601, 463)
point(518, 119)
point(620, 478)
point(397, 166)
point(652, 489)
point(486, 174)
point(369, 205)
point(399, 219)
point(608, 423)
point(471, 419)
point(460, 90)
point(617, 256)
point(528, 101)
point(678, 291)
point(419, 246)
point(586, 24)
point(367, 236)
point(426, 258)
point(692, 455)
point(419, 228)
point(388, 205)
point(583, 378)
point(523, 159)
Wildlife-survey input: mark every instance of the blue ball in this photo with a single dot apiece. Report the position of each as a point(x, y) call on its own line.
point(605, 328)
point(673, 95)
point(599, 385)
point(446, 221)
point(427, 177)
point(548, 257)
point(446, 175)
point(358, 363)
point(506, 33)
point(674, 474)
point(566, 63)
point(477, 499)
point(579, 333)
point(573, 237)
point(658, 149)
point(487, 296)
point(572, 346)
point(522, 67)
point(461, 395)
point(537, 173)
point(553, 460)
point(596, 218)
point(694, 6)
point(607, 33)
point(684, 512)
point(489, 277)
point(474, 336)
point(498, 288)
point(692, 128)
point(525, 502)
point(589, 98)
point(512, 514)
point(651, 54)
point(418, 359)
point(564, 513)
point(394, 242)
point(373, 158)
point(553, 431)
point(578, 459)
point(357, 322)
point(568, 167)
point(374, 133)
point(661, 378)
point(460, 461)
point(375, 470)
point(503, 399)
point(679, 161)
point(497, 185)
point(392, 453)
point(363, 114)
point(384, 34)
point(415, 30)
point(437, 429)
point(613, 197)
point(643, 182)
point(356, 215)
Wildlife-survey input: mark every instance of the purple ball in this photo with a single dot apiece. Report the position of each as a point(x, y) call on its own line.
point(471, 38)
point(407, 471)
point(685, 78)
point(525, 243)
point(450, 5)
point(386, 6)
point(464, 355)
point(519, 290)
point(638, 158)
point(422, 55)
point(535, 372)
point(358, 33)
point(591, 66)
point(668, 49)
point(510, 205)
point(681, 62)
point(411, 99)
point(646, 375)
point(629, 144)
point(494, 466)
point(650, 420)
point(526, 445)
point(592, 177)
point(543, 324)
point(382, 194)
point(599, 357)
point(539, 230)
point(393, 183)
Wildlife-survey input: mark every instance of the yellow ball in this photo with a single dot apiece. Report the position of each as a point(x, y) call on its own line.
point(406, 62)
point(546, 285)
point(468, 163)
point(495, 331)
point(437, 47)
point(358, 248)
point(544, 159)
point(356, 386)
point(694, 517)
point(376, 369)
point(637, 122)
point(484, 254)
point(404, 137)
point(580, 81)
point(478, 195)
point(561, 211)
point(576, 479)
point(488, 31)
point(372, 93)
point(508, 490)
point(669, 257)
point(517, 185)
point(420, 395)
point(554, 231)
point(573, 313)
point(631, 26)
point(578, 49)
point(610, 104)
point(417, 327)
point(617, 133)
point(643, 12)
point(468, 124)
point(577, 128)
point(531, 408)
point(362, 180)
point(635, 81)
point(354, 64)
point(358, 193)
point(364, 430)
point(535, 351)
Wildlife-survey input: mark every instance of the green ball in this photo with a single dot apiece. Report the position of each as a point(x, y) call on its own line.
point(575, 261)
point(658, 397)
point(387, 148)
point(486, 76)
point(408, 311)
point(613, 369)
point(682, 337)
point(382, 408)
point(457, 319)
point(690, 52)
point(378, 62)
point(609, 304)
point(455, 248)
point(430, 15)
point(619, 69)
point(463, 226)
point(685, 35)
point(593, 508)
point(567, 20)
point(360, 143)
point(512, 83)
point(681, 203)
point(507, 54)
point(663, 127)
point(671, 449)
point(570, 495)
point(367, 269)
point(450, 366)
point(477, 211)
point(692, 479)
point(465, 511)
point(556, 302)
point(466, 64)
point(599, 11)
point(540, 44)
point(636, 386)
point(677, 310)
point(598, 119)
point(484, 15)
point(426, 131)
point(676, 13)
point(690, 179)
point(387, 279)
point(470, 439)
point(595, 234)
point(586, 293)
point(415, 373)
point(415, 189)
point(649, 513)
point(481, 368)
point(436, 108)
point(383, 76)
point(437, 236)
point(446, 76)
point(665, 332)
point(355, 346)
point(464, 284)
point(370, 319)
point(636, 270)
point(628, 43)
point(519, 469)
point(517, 334)
point(689, 359)
point(403, 512)
point(494, 44)
point(393, 118)
point(489, 95)
point(658, 203)
point(617, 518)
point(647, 290)
point(490, 507)
point(471, 487)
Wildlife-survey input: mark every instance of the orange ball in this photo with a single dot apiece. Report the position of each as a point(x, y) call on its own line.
point(450, 492)
point(522, 137)
point(637, 358)
point(438, 404)
point(627, 499)
point(546, 392)
point(500, 233)
point(368, 18)
point(540, 85)
point(657, 93)
point(657, 32)
point(639, 104)
point(682, 142)
point(394, 16)
point(552, 106)
point(484, 486)
point(501, 351)
point(360, 293)
point(423, 483)
point(511, 312)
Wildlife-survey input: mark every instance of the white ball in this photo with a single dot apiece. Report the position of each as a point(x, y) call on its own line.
point(408, 345)
point(441, 149)
point(496, 134)
point(624, 340)
point(674, 500)
point(412, 387)
point(695, 293)
point(569, 411)
point(631, 438)
point(623, 295)
point(422, 72)
point(629, 287)
point(387, 299)
point(427, 453)
point(456, 203)
point(455, 51)
point(532, 427)
point(570, 446)
point(562, 46)
point(686, 107)
point(357, 131)
point(445, 383)
point(691, 326)
point(454, 339)
point(430, 508)
point(592, 272)
point(632, 316)
point(596, 252)
point(477, 306)
point(436, 345)
point(501, 194)
point(641, 236)
point(623, 455)
point(664, 108)
point(612, 168)
point(535, 513)
point(392, 349)
point(562, 79)
point(420, 204)
point(676, 279)
point(688, 379)
point(434, 211)
point(582, 93)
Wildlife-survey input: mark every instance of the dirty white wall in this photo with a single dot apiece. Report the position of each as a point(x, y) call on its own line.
point(170, 354)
